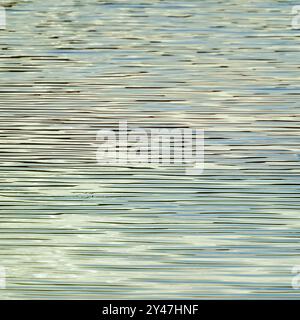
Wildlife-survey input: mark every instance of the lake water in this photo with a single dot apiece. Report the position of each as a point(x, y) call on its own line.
point(70, 228)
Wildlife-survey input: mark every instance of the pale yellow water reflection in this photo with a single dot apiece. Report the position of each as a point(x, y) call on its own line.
point(73, 229)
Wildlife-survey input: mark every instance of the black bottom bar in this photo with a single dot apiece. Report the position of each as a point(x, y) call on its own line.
point(145, 309)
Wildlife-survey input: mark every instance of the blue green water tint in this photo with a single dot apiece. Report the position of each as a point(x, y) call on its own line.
point(70, 228)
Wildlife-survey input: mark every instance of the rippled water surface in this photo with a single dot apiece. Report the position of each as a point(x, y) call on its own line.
point(73, 229)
